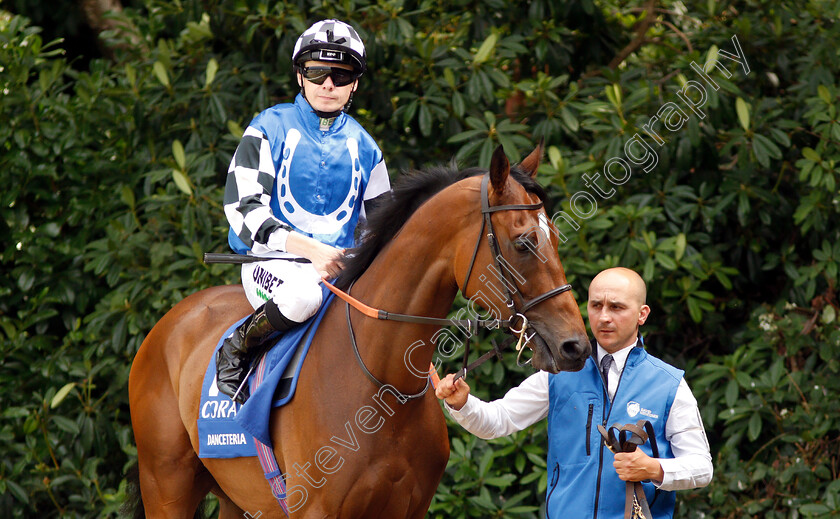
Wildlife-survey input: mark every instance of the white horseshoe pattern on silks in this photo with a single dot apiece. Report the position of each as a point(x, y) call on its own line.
point(300, 217)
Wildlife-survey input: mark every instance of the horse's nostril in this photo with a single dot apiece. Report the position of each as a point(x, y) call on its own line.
point(573, 349)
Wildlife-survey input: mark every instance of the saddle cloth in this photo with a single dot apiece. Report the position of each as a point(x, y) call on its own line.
point(227, 429)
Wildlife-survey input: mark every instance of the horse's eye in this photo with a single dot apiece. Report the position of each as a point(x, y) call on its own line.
point(521, 245)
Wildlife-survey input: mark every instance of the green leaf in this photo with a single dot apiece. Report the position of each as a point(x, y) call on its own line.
point(555, 157)
point(485, 153)
point(161, 74)
point(486, 49)
point(61, 394)
point(127, 196)
point(509, 147)
point(210, 73)
point(743, 113)
point(130, 74)
point(502, 481)
point(408, 111)
point(569, 120)
point(679, 249)
point(613, 93)
point(811, 154)
point(711, 58)
point(181, 181)
point(485, 462)
point(483, 501)
point(425, 120)
point(468, 149)
point(15, 412)
point(761, 153)
point(829, 314)
point(449, 77)
point(458, 105)
point(694, 310)
point(824, 94)
point(18, 491)
point(649, 269)
point(723, 279)
point(769, 146)
point(731, 394)
point(66, 424)
point(813, 509)
point(164, 55)
point(178, 152)
point(490, 118)
point(780, 137)
point(666, 261)
point(235, 129)
point(465, 136)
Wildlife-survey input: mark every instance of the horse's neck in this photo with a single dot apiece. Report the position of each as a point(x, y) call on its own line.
point(411, 279)
point(412, 275)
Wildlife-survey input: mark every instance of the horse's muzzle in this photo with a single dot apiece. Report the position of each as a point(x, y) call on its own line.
point(568, 355)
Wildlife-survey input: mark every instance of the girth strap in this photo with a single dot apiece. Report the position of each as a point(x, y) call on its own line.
point(273, 474)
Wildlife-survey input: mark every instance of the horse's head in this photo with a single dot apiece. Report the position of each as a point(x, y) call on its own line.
point(515, 268)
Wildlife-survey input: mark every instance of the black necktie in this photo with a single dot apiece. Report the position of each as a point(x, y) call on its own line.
point(606, 362)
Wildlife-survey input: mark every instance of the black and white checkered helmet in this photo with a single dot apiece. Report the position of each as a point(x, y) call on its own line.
point(331, 40)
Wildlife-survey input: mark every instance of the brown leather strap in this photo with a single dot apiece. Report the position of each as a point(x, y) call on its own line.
point(641, 500)
point(629, 495)
point(625, 438)
point(472, 324)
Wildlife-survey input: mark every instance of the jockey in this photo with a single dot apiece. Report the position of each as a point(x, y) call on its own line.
point(300, 180)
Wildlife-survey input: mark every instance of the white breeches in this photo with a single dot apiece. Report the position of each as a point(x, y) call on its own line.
point(293, 287)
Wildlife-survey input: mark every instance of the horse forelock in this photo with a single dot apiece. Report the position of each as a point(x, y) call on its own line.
point(409, 192)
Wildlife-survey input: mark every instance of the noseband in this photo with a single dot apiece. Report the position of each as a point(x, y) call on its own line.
point(472, 324)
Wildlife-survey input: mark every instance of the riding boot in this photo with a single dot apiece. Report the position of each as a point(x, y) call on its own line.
point(246, 344)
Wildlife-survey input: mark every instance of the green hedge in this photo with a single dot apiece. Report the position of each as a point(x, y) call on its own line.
point(113, 171)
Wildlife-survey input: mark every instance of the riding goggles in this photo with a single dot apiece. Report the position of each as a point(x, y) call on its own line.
point(319, 74)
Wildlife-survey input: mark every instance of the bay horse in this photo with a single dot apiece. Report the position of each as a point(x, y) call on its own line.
point(418, 252)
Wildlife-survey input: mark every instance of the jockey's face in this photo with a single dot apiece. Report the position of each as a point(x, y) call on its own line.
point(327, 97)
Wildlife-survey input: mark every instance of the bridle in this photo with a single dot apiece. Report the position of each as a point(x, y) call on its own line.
point(471, 324)
point(487, 223)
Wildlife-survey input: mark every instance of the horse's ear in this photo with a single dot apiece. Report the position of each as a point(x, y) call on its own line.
point(532, 162)
point(499, 170)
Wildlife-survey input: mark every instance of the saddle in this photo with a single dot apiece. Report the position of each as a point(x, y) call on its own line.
point(625, 438)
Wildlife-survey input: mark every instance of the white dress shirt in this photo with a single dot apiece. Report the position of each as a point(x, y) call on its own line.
point(528, 403)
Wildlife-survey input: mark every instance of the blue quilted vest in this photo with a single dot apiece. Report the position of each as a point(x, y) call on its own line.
point(582, 482)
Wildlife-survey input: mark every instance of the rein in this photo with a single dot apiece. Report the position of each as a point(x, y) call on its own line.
point(626, 438)
point(471, 324)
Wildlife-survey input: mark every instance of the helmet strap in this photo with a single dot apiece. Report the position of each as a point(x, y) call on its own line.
point(330, 116)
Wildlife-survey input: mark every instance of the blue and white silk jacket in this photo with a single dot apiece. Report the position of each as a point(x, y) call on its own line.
point(291, 173)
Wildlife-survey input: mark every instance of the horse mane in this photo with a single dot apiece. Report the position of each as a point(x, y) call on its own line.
point(408, 193)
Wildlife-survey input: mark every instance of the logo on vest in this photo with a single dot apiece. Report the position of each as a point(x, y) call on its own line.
point(296, 214)
point(634, 408)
